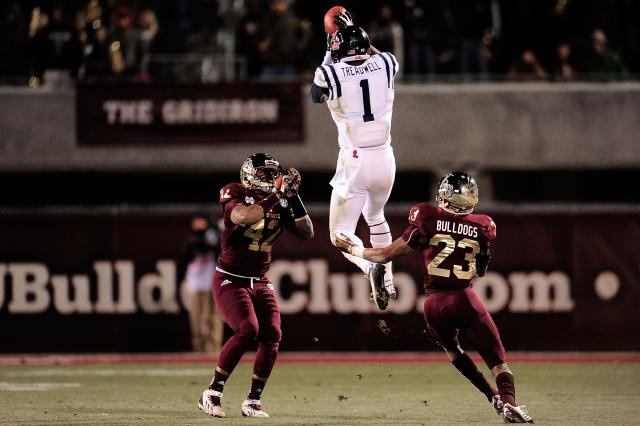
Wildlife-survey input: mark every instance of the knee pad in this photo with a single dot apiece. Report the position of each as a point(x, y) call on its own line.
point(248, 330)
point(375, 219)
point(271, 337)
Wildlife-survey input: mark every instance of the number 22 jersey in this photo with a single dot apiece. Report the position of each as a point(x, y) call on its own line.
point(361, 99)
point(246, 250)
point(448, 244)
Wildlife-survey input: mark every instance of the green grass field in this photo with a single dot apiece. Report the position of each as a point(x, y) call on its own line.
point(328, 394)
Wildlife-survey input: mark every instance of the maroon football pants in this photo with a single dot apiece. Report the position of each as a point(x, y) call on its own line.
point(253, 313)
point(448, 311)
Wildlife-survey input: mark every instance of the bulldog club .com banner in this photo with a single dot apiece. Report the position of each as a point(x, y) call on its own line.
point(170, 115)
point(114, 283)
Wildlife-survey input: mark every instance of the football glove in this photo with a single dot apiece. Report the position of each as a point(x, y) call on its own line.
point(292, 180)
point(343, 20)
point(482, 262)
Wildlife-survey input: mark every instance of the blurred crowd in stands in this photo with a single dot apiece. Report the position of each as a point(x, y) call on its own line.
point(57, 42)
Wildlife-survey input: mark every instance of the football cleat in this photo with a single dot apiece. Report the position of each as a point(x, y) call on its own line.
point(253, 408)
point(378, 289)
point(515, 414)
point(210, 403)
point(497, 404)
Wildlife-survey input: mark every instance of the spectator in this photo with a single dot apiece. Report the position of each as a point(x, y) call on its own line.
point(123, 42)
point(147, 31)
point(12, 44)
point(473, 22)
point(202, 253)
point(97, 61)
point(279, 33)
point(602, 62)
point(429, 36)
point(247, 38)
point(56, 47)
point(527, 68)
point(387, 34)
point(563, 68)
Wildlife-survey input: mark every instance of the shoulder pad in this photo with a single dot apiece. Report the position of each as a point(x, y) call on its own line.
point(232, 191)
point(419, 212)
point(486, 222)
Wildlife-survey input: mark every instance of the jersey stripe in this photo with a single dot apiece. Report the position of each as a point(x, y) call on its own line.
point(386, 64)
point(395, 65)
point(326, 77)
point(335, 77)
point(392, 61)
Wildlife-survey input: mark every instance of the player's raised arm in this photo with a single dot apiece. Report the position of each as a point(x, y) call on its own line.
point(302, 226)
point(378, 255)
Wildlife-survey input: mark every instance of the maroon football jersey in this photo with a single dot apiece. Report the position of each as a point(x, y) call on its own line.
point(246, 250)
point(448, 244)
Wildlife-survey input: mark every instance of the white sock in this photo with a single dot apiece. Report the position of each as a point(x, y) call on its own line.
point(361, 263)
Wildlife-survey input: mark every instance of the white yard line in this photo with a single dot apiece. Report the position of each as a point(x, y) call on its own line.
point(29, 387)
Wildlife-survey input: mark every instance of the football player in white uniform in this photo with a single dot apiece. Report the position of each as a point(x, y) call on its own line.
point(358, 87)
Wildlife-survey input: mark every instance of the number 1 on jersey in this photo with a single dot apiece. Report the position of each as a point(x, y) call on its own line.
point(366, 100)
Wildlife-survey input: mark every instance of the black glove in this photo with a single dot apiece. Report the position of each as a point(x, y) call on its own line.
point(482, 262)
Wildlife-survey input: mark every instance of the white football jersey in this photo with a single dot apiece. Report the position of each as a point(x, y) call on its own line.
point(361, 99)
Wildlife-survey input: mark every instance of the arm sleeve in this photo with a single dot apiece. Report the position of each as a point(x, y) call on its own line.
point(327, 58)
point(319, 95)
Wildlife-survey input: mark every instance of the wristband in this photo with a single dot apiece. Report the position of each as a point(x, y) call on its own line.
point(268, 202)
point(295, 202)
point(357, 251)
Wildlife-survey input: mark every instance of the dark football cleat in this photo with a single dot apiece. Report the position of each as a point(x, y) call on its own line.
point(378, 289)
point(497, 404)
point(515, 414)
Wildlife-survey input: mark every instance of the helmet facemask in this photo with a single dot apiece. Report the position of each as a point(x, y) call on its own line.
point(457, 193)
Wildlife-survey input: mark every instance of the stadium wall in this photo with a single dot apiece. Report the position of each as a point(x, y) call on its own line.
point(109, 281)
point(435, 127)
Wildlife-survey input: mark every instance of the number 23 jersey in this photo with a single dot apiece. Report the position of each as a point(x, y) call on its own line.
point(361, 99)
point(448, 244)
point(246, 250)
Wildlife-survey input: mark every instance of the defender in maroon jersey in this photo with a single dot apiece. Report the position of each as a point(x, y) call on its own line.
point(454, 245)
point(255, 213)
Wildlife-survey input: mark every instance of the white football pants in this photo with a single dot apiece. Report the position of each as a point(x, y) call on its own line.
point(362, 185)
